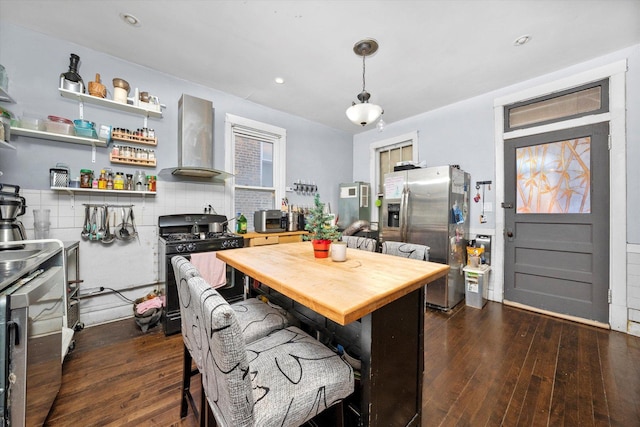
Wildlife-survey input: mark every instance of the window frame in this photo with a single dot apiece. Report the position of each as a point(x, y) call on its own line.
point(235, 125)
point(410, 138)
point(604, 105)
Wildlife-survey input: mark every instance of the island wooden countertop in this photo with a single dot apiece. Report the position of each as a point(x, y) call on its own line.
point(340, 291)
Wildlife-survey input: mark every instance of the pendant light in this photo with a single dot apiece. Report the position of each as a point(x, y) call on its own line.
point(364, 112)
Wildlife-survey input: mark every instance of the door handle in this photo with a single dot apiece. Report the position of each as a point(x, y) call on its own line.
point(506, 205)
point(508, 232)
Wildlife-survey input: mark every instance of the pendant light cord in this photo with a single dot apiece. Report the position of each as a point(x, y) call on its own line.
point(363, 70)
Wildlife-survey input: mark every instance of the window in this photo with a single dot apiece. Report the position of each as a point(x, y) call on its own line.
point(592, 98)
point(385, 155)
point(256, 155)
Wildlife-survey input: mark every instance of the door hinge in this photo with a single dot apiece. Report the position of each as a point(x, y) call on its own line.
point(609, 297)
point(609, 142)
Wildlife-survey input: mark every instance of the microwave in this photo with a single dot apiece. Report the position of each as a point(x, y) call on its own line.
point(268, 221)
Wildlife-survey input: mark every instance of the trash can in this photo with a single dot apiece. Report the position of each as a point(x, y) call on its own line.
point(476, 284)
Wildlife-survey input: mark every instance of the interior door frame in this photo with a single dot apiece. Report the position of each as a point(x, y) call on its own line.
point(616, 73)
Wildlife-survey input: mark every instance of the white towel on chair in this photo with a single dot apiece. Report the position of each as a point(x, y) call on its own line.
point(211, 269)
point(406, 250)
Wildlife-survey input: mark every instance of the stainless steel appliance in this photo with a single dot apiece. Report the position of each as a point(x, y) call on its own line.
point(268, 221)
point(12, 205)
point(195, 139)
point(430, 207)
point(31, 316)
point(186, 234)
point(353, 204)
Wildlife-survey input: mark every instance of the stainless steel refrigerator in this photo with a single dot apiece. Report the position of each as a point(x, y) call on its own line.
point(430, 206)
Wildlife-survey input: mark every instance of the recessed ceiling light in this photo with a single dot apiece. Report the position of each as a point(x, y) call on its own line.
point(522, 40)
point(279, 80)
point(130, 19)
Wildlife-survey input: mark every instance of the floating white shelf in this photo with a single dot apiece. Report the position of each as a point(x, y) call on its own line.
point(108, 103)
point(94, 191)
point(58, 137)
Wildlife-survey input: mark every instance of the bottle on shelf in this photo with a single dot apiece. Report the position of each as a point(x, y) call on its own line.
point(118, 181)
point(110, 181)
point(102, 181)
point(241, 224)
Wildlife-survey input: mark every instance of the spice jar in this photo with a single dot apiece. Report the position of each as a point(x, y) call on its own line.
point(128, 184)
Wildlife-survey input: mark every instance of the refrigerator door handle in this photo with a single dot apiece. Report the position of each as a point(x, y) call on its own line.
point(404, 214)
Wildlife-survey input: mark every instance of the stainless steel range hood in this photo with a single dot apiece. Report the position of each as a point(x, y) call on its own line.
point(195, 140)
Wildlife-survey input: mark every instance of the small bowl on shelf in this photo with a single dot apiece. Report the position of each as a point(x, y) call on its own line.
point(83, 124)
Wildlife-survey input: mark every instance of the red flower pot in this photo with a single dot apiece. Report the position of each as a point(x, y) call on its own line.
point(321, 248)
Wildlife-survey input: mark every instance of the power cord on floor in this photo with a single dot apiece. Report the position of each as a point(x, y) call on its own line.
point(117, 292)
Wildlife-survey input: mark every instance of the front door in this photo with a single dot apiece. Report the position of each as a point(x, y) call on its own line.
point(557, 221)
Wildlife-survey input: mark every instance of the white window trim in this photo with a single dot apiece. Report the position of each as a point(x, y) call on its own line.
point(374, 161)
point(279, 155)
point(616, 73)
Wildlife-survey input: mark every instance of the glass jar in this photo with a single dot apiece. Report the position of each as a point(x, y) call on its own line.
point(128, 184)
point(118, 181)
point(86, 178)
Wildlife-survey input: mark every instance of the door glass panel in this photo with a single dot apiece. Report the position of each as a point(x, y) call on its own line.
point(554, 177)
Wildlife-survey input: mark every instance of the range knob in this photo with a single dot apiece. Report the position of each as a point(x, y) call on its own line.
point(180, 248)
point(191, 247)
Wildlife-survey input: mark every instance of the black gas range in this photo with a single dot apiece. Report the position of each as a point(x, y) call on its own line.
point(185, 234)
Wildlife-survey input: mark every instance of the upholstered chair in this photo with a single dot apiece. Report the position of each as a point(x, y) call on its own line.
point(283, 379)
point(362, 243)
point(256, 319)
point(406, 250)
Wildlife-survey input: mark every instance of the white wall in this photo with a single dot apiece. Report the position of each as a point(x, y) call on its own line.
point(34, 63)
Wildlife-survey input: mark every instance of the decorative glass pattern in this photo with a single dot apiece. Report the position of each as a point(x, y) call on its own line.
point(554, 177)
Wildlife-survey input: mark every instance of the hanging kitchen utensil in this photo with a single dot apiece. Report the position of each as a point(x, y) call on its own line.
point(125, 230)
point(108, 236)
point(86, 228)
point(94, 225)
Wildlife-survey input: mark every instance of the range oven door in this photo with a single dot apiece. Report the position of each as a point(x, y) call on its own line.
point(233, 291)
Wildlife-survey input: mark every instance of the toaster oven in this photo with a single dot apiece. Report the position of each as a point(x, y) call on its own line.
point(268, 221)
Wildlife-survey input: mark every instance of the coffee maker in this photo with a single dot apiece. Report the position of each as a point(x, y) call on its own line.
point(12, 205)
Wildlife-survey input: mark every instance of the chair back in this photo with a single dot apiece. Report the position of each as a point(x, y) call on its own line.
point(225, 375)
point(362, 243)
point(183, 271)
point(406, 250)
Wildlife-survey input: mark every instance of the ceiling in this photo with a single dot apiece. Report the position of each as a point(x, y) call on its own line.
point(432, 53)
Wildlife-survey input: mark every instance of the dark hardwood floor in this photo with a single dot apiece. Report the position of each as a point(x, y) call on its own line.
point(495, 366)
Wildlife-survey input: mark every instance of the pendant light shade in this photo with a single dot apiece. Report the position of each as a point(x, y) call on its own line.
point(364, 112)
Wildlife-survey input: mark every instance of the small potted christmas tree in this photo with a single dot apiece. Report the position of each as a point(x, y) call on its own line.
point(322, 233)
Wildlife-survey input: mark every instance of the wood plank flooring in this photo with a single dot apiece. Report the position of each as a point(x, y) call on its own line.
point(490, 367)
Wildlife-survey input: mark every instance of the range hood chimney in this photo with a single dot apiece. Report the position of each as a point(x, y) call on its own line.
point(195, 139)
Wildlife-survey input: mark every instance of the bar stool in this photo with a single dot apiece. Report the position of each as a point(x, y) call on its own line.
point(256, 320)
point(283, 379)
point(362, 243)
point(406, 250)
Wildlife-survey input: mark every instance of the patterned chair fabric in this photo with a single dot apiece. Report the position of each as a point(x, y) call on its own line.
point(406, 250)
point(283, 379)
point(256, 318)
point(362, 243)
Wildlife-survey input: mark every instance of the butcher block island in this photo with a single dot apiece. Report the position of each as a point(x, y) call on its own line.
point(372, 304)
